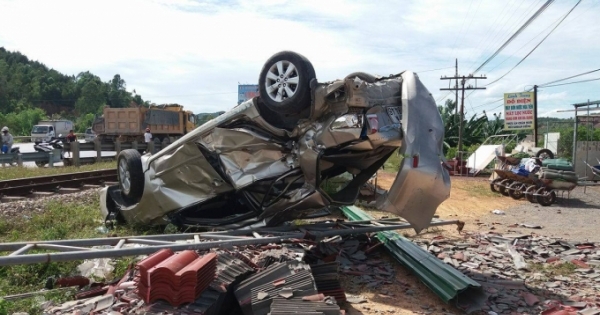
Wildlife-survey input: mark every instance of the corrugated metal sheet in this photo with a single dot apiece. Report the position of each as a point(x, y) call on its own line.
point(297, 305)
point(446, 282)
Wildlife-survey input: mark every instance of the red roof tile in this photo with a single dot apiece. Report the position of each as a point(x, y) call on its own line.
point(177, 278)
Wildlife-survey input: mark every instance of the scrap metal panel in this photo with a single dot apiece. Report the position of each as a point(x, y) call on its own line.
point(445, 281)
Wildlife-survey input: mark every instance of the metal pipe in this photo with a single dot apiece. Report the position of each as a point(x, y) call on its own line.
point(22, 250)
point(174, 237)
point(91, 254)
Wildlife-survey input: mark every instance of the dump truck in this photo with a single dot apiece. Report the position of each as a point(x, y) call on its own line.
point(166, 122)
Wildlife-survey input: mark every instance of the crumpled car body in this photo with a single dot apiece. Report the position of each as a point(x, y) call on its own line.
point(249, 167)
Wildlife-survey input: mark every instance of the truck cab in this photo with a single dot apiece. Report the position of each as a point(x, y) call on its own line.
point(42, 133)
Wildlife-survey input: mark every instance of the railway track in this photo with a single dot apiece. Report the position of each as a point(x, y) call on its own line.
point(32, 187)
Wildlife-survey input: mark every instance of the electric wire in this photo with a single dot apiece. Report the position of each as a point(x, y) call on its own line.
point(519, 31)
point(571, 77)
point(574, 82)
point(536, 46)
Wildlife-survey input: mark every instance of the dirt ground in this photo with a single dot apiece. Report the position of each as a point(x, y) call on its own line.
point(472, 201)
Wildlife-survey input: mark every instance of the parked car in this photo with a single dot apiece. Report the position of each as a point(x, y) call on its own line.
point(89, 135)
point(266, 160)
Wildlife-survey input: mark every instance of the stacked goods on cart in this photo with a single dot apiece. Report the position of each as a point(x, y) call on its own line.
point(558, 169)
point(558, 164)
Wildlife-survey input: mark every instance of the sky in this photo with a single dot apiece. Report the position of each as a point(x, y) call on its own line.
point(196, 52)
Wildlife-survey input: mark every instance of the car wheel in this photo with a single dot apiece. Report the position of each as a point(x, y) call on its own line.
point(284, 82)
point(369, 78)
point(130, 174)
point(544, 154)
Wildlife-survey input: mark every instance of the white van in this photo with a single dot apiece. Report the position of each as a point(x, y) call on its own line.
point(47, 130)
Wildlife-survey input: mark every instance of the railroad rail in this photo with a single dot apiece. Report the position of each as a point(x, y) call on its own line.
point(22, 188)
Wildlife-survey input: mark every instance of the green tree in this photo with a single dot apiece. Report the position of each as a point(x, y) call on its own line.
point(21, 123)
point(117, 94)
point(92, 98)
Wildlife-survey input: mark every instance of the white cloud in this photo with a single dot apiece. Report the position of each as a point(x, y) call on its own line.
point(195, 52)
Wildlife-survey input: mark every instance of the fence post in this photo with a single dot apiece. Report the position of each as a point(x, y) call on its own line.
point(98, 148)
point(20, 159)
point(75, 153)
point(51, 161)
point(150, 147)
point(117, 147)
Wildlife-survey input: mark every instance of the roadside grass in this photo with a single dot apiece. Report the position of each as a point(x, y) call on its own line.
point(58, 221)
point(13, 172)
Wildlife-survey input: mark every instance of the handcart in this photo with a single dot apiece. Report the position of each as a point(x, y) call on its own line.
point(546, 194)
point(506, 163)
point(514, 185)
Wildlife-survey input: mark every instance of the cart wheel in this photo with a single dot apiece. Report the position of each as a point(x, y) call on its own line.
point(514, 191)
point(547, 199)
point(529, 194)
point(502, 188)
point(494, 185)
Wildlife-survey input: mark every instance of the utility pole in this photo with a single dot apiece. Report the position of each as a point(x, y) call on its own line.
point(462, 103)
point(456, 85)
point(535, 118)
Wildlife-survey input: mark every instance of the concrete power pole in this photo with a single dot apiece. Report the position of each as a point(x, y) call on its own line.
point(456, 86)
point(462, 103)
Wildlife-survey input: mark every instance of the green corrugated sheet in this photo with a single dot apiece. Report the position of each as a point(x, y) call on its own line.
point(446, 282)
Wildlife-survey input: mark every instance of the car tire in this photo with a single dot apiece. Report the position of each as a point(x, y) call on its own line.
point(544, 154)
point(369, 78)
point(130, 174)
point(284, 89)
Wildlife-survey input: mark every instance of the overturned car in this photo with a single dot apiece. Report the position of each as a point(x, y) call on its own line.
point(264, 162)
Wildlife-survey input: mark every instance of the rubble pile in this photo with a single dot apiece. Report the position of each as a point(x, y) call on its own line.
point(526, 274)
point(251, 280)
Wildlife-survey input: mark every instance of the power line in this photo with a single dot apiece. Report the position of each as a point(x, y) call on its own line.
point(526, 12)
point(434, 69)
point(571, 77)
point(574, 82)
point(505, 59)
point(536, 46)
point(523, 27)
point(461, 27)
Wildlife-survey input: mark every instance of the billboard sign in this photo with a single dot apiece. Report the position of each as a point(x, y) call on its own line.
point(518, 111)
point(246, 92)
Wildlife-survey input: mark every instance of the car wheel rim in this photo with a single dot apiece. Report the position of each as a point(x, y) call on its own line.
point(282, 80)
point(124, 176)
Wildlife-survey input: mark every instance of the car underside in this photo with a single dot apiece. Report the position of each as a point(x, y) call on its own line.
point(269, 160)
